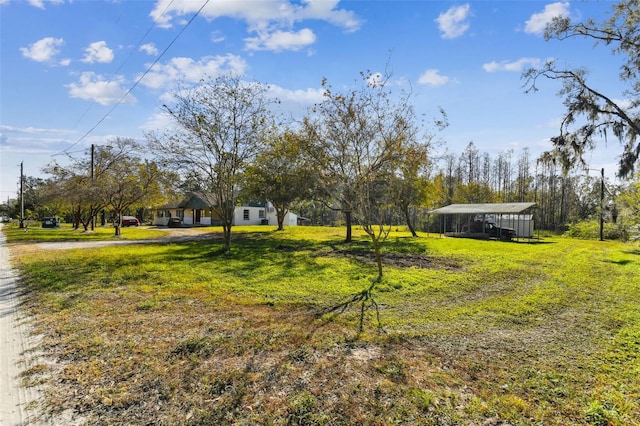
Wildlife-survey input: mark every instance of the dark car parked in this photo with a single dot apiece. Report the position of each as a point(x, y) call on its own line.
point(495, 231)
point(130, 221)
point(174, 222)
point(50, 222)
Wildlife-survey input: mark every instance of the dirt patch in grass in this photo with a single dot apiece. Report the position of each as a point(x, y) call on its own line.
point(399, 260)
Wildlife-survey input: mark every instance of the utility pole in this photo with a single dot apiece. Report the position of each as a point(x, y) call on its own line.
point(93, 216)
point(602, 204)
point(21, 194)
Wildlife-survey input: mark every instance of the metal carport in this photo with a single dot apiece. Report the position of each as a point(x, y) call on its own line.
point(518, 214)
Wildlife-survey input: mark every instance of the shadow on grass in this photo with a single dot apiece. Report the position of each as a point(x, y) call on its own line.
point(621, 262)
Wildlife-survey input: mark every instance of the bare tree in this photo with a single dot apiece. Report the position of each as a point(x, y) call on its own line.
point(220, 128)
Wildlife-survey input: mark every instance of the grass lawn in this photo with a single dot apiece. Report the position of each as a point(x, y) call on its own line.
point(474, 332)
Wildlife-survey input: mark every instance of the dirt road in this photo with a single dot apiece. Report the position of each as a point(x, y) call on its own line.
point(15, 345)
point(18, 404)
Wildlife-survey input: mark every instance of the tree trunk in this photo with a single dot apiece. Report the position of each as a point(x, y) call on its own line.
point(407, 216)
point(347, 217)
point(226, 230)
point(280, 214)
point(117, 223)
point(378, 254)
point(76, 219)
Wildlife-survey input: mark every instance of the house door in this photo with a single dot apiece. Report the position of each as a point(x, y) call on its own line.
point(198, 215)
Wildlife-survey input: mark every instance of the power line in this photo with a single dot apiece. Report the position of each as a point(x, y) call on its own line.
point(125, 60)
point(104, 117)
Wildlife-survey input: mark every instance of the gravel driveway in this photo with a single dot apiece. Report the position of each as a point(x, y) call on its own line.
point(18, 404)
point(15, 342)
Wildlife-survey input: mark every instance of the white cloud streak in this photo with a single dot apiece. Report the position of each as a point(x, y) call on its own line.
point(187, 70)
point(271, 23)
point(43, 50)
point(281, 40)
point(539, 21)
point(454, 22)
point(93, 87)
point(513, 66)
point(432, 77)
point(150, 49)
point(98, 52)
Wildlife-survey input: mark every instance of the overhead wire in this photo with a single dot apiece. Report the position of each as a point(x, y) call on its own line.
point(135, 84)
point(123, 63)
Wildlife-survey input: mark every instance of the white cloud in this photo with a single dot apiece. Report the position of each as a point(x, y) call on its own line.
point(43, 50)
point(217, 37)
point(32, 130)
point(326, 10)
point(93, 87)
point(281, 40)
point(538, 21)
point(453, 23)
point(149, 49)
point(187, 70)
point(518, 65)
point(303, 97)
point(432, 77)
point(375, 79)
point(40, 3)
point(158, 120)
point(98, 52)
point(37, 3)
point(272, 21)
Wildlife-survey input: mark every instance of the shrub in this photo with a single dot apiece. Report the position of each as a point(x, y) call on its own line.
point(590, 230)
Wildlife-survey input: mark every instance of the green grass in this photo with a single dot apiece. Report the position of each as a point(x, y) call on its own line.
point(33, 234)
point(546, 332)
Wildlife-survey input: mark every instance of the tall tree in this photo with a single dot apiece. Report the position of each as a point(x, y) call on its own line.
point(130, 182)
point(592, 114)
point(410, 185)
point(280, 174)
point(360, 139)
point(80, 182)
point(220, 128)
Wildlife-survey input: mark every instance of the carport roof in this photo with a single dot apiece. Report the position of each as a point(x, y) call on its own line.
point(487, 208)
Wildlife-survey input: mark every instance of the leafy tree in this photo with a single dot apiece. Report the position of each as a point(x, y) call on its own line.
point(78, 184)
point(129, 181)
point(410, 185)
point(280, 174)
point(601, 113)
point(359, 141)
point(221, 125)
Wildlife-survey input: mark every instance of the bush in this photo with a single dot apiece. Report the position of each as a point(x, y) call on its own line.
point(590, 230)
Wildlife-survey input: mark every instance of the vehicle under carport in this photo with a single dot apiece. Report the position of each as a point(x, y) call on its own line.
point(503, 221)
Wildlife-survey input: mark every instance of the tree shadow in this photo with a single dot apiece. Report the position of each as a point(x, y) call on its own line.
point(621, 262)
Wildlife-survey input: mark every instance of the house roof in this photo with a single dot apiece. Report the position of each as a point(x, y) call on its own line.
point(168, 206)
point(486, 208)
point(197, 200)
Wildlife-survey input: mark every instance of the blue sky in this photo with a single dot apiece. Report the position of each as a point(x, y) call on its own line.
point(66, 66)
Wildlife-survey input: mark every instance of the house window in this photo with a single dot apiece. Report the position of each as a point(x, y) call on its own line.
point(245, 214)
point(260, 214)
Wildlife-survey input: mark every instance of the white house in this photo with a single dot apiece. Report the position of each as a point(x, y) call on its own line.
point(195, 210)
